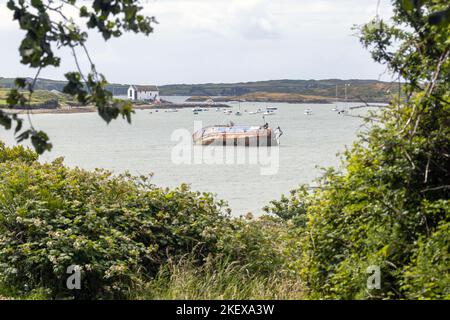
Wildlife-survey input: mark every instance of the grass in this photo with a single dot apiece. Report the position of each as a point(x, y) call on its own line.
point(185, 280)
point(38, 294)
point(223, 280)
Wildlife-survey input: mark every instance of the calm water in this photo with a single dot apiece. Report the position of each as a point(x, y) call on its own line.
point(146, 146)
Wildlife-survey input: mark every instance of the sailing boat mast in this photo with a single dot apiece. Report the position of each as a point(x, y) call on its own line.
point(238, 113)
point(346, 85)
point(336, 93)
point(336, 100)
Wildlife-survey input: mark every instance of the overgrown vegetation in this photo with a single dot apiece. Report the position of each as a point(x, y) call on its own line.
point(389, 208)
point(121, 230)
point(224, 279)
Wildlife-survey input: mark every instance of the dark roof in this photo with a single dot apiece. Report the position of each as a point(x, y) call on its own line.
point(145, 88)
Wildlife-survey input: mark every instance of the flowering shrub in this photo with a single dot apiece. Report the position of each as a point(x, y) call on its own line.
point(117, 229)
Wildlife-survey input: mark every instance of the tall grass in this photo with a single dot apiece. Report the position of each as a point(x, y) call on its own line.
point(219, 280)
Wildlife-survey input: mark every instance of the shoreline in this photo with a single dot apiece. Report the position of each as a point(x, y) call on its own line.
point(90, 109)
point(163, 106)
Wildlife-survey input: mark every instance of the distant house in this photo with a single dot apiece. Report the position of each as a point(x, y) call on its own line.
point(148, 93)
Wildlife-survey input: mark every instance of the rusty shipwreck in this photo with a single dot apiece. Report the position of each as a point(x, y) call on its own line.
point(238, 135)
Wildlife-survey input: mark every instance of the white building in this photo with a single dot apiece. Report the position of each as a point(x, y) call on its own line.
point(150, 93)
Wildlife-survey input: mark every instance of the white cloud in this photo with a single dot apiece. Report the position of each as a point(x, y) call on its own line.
point(225, 18)
point(228, 40)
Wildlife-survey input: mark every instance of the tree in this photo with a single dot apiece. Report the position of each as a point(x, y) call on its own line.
point(390, 208)
point(47, 26)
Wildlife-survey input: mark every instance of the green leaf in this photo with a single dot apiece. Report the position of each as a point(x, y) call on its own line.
point(23, 136)
point(18, 125)
point(409, 5)
point(441, 18)
point(20, 82)
point(40, 142)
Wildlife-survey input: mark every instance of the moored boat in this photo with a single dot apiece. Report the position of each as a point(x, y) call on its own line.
point(237, 135)
point(256, 112)
point(269, 113)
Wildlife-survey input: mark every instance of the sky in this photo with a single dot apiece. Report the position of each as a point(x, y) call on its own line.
point(211, 41)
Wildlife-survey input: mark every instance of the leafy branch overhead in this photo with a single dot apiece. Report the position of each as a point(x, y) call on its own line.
point(48, 26)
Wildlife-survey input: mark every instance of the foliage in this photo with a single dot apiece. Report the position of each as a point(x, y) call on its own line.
point(128, 237)
point(18, 153)
point(118, 229)
point(218, 279)
point(390, 207)
point(428, 276)
point(47, 26)
point(265, 245)
point(291, 208)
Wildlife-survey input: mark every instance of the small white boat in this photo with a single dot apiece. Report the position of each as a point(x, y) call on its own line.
point(271, 108)
point(334, 109)
point(197, 109)
point(171, 110)
point(269, 113)
point(228, 112)
point(256, 112)
point(308, 112)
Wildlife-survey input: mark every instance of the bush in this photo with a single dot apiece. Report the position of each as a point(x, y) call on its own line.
point(18, 153)
point(118, 229)
point(428, 275)
point(265, 245)
point(390, 206)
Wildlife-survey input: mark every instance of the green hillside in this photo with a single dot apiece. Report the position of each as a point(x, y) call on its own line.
point(369, 90)
point(47, 84)
point(42, 99)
